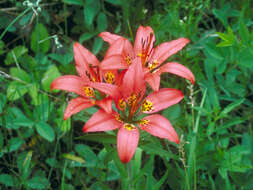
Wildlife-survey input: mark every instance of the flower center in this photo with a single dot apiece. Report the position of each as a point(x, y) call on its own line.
point(129, 126)
point(143, 122)
point(132, 100)
point(147, 106)
point(153, 65)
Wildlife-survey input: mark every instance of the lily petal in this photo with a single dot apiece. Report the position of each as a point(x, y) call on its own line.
point(109, 89)
point(70, 83)
point(116, 47)
point(83, 58)
point(127, 142)
point(177, 69)
point(109, 37)
point(113, 62)
point(166, 49)
point(76, 105)
point(161, 127)
point(144, 39)
point(153, 79)
point(101, 121)
point(163, 98)
point(105, 104)
point(133, 81)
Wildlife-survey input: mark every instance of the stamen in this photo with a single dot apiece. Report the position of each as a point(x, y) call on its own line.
point(143, 122)
point(132, 100)
point(118, 118)
point(89, 91)
point(153, 65)
point(147, 106)
point(128, 60)
point(122, 104)
point(109, 77)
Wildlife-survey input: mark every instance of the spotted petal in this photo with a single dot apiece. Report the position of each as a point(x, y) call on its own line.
point(166, 49)
point(83, 58)
point(162, 99)
point(70, 83)
point(160, 126)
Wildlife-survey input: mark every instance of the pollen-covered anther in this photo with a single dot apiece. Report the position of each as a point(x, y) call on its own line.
point(152, 65)
point(118, 118)
point(109, 77)
point(132, 100)
point(128, 60)
point(89, 91)
point(143, 122)
point(147, 106)
point(129, 126)
point(122, 104)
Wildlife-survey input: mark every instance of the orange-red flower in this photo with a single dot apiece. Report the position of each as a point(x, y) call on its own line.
point(152, 58)
point(88, 68)
point(132, 105)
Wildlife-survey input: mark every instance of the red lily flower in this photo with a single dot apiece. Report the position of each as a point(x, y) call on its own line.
point(130, 104)
point(152, 58)
point(88, 68)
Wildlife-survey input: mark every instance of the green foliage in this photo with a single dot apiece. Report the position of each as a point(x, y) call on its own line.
point(39, 150)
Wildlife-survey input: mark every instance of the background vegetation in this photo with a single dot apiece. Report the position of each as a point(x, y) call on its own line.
point(38, 150)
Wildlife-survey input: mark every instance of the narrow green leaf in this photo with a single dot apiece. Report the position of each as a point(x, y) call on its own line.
point(39, 39)
point(101, 22)
point(91, 8)
point(231, 106)
point(45, 131)
point(73, 158)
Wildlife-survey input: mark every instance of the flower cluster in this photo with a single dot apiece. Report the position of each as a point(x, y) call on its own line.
point(118, 86)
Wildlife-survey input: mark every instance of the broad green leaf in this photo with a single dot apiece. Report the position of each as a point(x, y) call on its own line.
point(246, 57)
point(51, 74)
point(15, 144)
point(98, 44)
point(26, 19)
point(20, 74)
point(39, 39)
point(228, 39)
point(38, 182)
point(16, 118)
point(91, 8)
point(62, 59)
point(7, 180)
point(45, 131)
point(74, 2)
point(86, 152)
point(33, 92)
point(86, 36)
point(73, 158)
point(14, 54)
point(101, 22)
point(16, 90)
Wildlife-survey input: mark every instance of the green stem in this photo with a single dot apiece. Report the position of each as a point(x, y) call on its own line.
point(192, 157)
point(129, 171)
point(13, 22)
